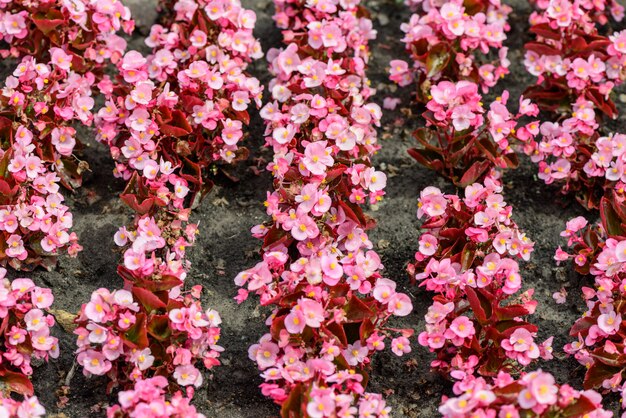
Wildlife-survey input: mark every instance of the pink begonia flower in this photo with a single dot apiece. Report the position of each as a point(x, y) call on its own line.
point(390, 103)
point(304, 227)
point(610, 322)
point(264, 354)
point(560, 296)
point(63, 140)
point(462, 327)
point(94, 362)
point(59, 58)
point(187, 375)
point(312, 311)
point(295, 321)
point(317, 157)
point(428, 244)
point(400, 346)
point(144, 359)
point(400, 304)
point(15, 247)
point(355, 353)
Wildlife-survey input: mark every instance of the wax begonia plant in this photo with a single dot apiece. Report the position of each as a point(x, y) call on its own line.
point(170, 120)
point(319, 272)
point(468, 256)
point(453, 41)
point(25, 334)
point(572, 60)
point(151, 329)
point(38, 104)
point(600, 251)
point(28, 407)
point(600, 11)
point(463, 144)
point(577, 68)
point(534, 394)
point(179, 114)
point(148, 399)
point(84, 30)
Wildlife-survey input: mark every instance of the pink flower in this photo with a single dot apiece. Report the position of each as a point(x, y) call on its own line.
point(295, 321)
point(63, 140)
point(573, 226)
point(15, 247)
point(610, 322)
point(400, 346)
point(59, 58)
point(559, 297)
point(304, 227)
point(428, 244)
point(317, 157)
point(543, 389)
point(462, 327)
point(400, 304)
point(94, 362)
point(265, 354)
point(312, 311)
point(355, 353)
point(187, 375)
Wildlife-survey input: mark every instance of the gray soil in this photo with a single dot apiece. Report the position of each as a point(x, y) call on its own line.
point(226, 247)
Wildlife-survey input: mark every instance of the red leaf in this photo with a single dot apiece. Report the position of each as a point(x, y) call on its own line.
point(159, 327)
point(165, 283)
point(16, 382)
point(137, 335)
point(582, 326)
point(476, 305)
point(49, 22)
point(475, 172)
point(598, 373)
point(579, 408)
point(544, 29)
point(610, 219)
point(295, 403)
point(357, 311)
point(178, 125)
point(150, 301)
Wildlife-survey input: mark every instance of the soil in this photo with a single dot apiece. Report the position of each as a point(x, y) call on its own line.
point(226, 247)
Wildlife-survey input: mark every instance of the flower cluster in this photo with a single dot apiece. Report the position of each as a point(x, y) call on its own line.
point(468, 257)
point(319, 271)
point(588, 165)
point(29, 407)
point(534, 394)
point(84, 30)
point(571, 60)
point(151, 329)
point(25, 332)
point(171, 119)
point(576, 69)
point(600, 250)
point(147, 400)
point(177, 114)
point(154, 250)
point(444, 39)
point(598, 10)
point(38, 103)
point(460, 143)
